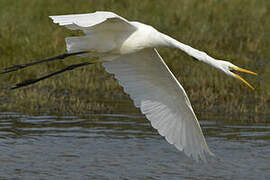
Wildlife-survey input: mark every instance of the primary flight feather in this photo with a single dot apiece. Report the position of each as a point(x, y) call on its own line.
point(127, 50)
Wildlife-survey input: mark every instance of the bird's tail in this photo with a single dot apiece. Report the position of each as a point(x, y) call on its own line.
point(94, 44)
point(77, 44)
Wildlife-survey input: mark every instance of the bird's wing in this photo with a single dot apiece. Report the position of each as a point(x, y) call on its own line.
point(100, 20)
point(154, 89)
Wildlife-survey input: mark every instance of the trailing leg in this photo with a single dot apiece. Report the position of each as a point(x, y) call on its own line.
point(33, 81)
point(21, 66)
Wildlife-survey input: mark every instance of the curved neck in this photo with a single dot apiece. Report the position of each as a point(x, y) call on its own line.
point(199, 55)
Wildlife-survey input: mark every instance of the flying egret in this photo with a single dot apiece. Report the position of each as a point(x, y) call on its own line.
point(127, 49)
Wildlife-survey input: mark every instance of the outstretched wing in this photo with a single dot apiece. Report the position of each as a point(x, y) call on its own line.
point(100, 20)
point(154, 89)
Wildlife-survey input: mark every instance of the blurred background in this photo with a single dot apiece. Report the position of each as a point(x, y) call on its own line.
point(80, 124)
point(237, 31)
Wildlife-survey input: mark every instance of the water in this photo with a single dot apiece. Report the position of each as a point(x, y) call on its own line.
point(112, 146)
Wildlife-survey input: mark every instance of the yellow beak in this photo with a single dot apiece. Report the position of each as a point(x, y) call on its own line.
point(239, 77)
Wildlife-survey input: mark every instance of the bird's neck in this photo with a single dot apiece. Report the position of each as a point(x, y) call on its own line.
point(199, 55)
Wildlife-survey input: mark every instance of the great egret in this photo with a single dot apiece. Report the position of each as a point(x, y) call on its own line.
point(127, 50)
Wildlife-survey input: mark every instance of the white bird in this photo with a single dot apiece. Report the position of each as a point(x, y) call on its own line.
point(127, 50)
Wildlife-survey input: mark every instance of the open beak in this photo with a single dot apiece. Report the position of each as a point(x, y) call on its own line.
point(239, 77)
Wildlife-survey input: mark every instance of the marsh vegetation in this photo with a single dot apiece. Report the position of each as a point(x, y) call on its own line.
point(237, 31)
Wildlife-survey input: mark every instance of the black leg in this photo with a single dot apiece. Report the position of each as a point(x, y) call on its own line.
point(21, 66)
point(33, 81)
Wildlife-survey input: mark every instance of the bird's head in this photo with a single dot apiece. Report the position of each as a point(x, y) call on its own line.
point(230, 69)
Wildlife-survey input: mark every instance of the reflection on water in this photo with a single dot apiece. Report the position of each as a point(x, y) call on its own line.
point(112, 146)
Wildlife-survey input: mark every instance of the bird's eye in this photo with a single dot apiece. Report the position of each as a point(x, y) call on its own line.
point(230, 68)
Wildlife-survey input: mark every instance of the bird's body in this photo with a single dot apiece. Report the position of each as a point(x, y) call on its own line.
point(117, 42)
point(127, 50)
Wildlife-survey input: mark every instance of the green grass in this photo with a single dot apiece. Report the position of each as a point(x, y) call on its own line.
point(238, 31)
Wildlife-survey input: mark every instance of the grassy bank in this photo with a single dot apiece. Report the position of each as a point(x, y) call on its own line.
point(232, 30)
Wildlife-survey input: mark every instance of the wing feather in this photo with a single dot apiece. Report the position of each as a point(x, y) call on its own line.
point(98, 21)
point(155, 90)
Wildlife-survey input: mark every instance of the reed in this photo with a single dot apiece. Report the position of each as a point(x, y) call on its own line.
point(237, 31)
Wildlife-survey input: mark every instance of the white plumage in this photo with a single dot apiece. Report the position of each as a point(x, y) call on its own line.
point(155, 90)
point(130, 54)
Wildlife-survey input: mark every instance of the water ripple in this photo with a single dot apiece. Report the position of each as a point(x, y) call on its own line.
point(117, 146)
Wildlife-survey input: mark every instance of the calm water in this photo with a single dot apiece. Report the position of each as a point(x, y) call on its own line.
point(112, 146)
